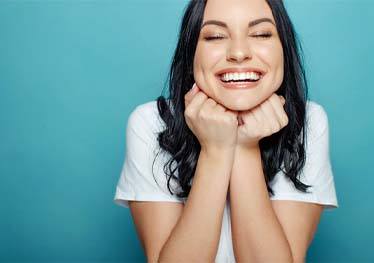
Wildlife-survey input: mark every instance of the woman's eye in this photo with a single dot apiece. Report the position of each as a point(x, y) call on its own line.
point(264, 35)
point(217, 37)
point(213, 38)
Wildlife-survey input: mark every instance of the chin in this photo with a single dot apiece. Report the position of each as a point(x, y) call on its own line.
point(238, 105)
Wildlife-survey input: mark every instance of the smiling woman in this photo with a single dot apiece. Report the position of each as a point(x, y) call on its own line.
point(240, 149)
point(238, 41)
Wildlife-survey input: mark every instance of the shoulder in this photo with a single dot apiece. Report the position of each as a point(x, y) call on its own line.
point(144, 119)
point(143, 176)
point(317, 170)
point(146, 109)
point(315, 111)
point(316, 119)
point(312, 105)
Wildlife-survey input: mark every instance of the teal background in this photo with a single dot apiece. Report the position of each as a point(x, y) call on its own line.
point(72, 71)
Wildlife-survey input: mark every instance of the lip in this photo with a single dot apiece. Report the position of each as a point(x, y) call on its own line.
point(241, 84)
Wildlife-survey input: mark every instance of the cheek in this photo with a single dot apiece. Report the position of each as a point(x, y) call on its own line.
point(206, 57)
point(205, 61)
point(272, 56)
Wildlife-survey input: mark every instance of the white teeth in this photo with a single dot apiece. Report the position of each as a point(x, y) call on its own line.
point(241, 76)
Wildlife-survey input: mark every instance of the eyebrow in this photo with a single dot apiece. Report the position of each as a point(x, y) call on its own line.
point(250, 24)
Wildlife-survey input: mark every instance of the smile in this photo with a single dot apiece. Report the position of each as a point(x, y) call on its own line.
point(241, 76)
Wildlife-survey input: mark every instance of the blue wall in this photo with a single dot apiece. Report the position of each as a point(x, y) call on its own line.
point(72, 71)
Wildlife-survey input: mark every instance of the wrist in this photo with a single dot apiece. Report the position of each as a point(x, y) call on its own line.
point(255, 147)
point(246, 155)
point(219, 154)
point(218, 151)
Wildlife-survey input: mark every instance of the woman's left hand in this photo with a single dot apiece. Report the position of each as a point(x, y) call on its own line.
point(263, 120)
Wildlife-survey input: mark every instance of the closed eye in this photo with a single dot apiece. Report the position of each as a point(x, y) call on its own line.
point(213, 38)
point(265, 35)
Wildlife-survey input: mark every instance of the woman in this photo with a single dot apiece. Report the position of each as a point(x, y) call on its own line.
point(243, 146)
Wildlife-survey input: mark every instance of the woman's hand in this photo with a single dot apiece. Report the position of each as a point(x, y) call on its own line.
point(214, 126)
point(263, 120)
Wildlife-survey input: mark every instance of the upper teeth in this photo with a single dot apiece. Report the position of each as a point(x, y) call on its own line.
point(240, 76)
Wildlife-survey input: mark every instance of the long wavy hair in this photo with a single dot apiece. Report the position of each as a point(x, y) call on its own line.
point(284, 150)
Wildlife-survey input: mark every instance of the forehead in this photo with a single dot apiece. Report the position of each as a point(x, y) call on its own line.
point(232, 11)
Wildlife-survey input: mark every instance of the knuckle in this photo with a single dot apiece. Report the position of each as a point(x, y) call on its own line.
point(201, 95)
point(188, 112)
point(202, 114)
point(268, 131)
point(210, 101)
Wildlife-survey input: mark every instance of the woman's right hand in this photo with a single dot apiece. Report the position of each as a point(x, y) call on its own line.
point(214, 125)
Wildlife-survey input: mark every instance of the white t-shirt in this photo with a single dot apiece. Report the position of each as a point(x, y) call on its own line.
point(136, 181)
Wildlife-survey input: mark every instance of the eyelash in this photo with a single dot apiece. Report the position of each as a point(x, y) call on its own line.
point(265, 35)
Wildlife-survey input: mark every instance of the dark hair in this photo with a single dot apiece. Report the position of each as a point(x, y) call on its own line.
point(286, 146)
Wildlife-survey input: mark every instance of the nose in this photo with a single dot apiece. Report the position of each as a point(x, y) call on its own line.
point(239, 51)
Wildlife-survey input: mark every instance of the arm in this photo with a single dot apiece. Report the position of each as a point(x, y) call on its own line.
point(196, 235)
point(256, 232)
point(265, 230)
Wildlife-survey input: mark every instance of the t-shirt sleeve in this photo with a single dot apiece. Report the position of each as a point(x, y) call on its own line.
point(317, 170)
point(136, 181)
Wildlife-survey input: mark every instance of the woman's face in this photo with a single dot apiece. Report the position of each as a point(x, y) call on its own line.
point(238, 36)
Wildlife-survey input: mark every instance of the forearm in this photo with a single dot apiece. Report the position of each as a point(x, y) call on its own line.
point(196, 236)
point(256, 232)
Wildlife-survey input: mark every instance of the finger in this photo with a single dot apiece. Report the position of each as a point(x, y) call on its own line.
point(279, 110)
point(190, 94)
point(210, 103)
point(247, 117)
point(220, 108)
point(232, 113)
point(258, 115)
point(271, 117)
point(197, 102)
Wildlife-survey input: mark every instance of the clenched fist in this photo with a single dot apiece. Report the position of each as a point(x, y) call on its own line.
point(214, 126)
point(263, 120)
